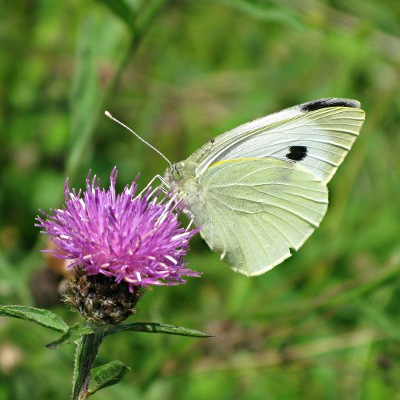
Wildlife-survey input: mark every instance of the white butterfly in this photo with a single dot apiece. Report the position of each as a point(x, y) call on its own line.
point(259, 190)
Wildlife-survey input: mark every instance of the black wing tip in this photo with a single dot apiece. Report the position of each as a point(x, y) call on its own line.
point(326, 103)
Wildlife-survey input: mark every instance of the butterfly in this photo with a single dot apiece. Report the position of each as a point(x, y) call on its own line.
point(260, 190)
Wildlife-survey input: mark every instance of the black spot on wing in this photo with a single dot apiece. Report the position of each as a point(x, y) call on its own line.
point(297, 153)
point(325, 103)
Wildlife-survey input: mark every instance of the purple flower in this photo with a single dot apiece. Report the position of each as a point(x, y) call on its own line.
point(131, 238)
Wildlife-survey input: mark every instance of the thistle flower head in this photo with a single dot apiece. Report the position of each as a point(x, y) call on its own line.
point(133, 239)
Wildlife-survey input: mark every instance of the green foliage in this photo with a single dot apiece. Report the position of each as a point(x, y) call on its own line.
point(322, 325)
point(108, 375)
point(122, 10)
point(73, 334)
point(38, 316)
point(151, 327)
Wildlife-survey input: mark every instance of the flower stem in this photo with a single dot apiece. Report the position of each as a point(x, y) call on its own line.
point(85, 355)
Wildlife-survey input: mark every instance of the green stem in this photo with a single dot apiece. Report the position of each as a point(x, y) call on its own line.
point(85, 355)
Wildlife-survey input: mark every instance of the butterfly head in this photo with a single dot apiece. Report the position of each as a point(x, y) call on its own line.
point(180, 171)
point(180, 178)
point(175, 172)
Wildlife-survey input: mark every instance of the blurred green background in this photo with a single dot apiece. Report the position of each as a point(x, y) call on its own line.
point(325, 323)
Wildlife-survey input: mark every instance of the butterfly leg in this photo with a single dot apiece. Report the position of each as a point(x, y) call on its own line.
point(158, 187)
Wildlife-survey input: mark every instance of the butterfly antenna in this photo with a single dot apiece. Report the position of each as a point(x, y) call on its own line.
point(139, 137)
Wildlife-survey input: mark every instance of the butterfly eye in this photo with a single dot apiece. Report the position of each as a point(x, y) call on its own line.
point(297, 153)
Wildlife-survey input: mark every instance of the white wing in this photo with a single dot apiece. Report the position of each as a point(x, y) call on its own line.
point(317, 134)
point(254, 211)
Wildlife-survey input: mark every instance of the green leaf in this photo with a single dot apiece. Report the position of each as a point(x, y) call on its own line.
point(74, 333)
point(108, 375)
point(150, 327)
point(122, 10)
point(39, 316)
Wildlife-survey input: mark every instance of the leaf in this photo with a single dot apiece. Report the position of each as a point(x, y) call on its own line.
point(122, 10)
point(150, 327)
point(108, 375)
point(74, 333)
point(39, 316)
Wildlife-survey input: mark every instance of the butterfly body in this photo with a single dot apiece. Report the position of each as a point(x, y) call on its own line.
point(259, 190)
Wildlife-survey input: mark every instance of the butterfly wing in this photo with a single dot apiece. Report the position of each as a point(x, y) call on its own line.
point(254, 211)
point(316, 134)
